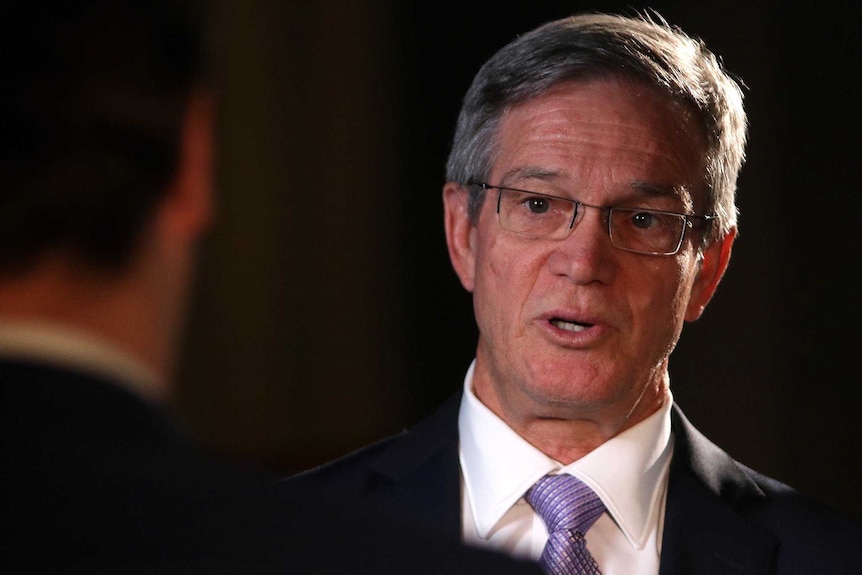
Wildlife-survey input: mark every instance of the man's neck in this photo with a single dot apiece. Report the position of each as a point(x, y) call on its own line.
point(109, 308)
point(568, 432)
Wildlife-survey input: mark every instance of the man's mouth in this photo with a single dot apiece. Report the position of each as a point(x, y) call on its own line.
point(569, 325)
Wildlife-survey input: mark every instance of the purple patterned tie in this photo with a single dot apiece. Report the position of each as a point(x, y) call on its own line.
point(568, 508)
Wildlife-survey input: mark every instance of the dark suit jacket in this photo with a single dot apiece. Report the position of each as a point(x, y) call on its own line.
point(721, 517)
point(96, 480)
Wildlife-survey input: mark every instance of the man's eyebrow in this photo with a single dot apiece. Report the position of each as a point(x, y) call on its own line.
point(528, 173)
point(519, 174)
point(680, 192)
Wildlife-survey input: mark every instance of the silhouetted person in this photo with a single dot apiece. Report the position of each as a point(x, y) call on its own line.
point(106, 141)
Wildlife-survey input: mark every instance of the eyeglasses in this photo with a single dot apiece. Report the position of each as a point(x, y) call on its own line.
point(638, 230)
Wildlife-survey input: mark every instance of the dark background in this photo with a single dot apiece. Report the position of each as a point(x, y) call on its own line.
point(327, 315)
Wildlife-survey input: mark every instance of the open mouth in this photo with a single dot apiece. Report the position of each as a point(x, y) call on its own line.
point(570, 325)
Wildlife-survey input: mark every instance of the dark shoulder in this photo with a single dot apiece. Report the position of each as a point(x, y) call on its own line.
point(811, 536)
point(705, 482)
point(330, 535)
point(433, 439)
point(793, 515)
point(347, 474)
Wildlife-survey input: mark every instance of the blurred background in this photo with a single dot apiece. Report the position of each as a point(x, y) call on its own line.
point(327, 315)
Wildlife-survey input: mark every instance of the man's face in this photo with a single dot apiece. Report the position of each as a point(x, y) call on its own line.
point(577, 327)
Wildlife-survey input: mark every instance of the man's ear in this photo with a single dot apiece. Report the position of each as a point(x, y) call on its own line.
point(188, 206)
point(460, 233)
point(712, 267)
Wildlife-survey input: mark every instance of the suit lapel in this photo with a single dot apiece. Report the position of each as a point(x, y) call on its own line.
point(421, 472)
point(709, 495)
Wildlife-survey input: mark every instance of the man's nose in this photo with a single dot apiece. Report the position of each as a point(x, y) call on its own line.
point(586, 254)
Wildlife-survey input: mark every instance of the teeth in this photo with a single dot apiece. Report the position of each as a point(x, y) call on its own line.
point(567, 325)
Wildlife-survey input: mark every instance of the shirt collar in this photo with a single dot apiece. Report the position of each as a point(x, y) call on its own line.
point(627, 472)
point(71, 348)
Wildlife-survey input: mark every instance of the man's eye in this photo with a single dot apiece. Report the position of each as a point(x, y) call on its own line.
point(643, 220)
point(538, 205)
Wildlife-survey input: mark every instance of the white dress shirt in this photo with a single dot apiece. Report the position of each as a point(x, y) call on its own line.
point(628, 472)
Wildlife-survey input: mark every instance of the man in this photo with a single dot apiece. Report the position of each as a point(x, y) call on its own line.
point(590, 211)
point(107, 141)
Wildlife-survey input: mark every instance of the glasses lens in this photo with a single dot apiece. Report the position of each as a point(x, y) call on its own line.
point(646, 231)
point(535, 215)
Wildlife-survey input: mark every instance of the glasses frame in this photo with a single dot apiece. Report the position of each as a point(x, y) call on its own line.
point(688, 219)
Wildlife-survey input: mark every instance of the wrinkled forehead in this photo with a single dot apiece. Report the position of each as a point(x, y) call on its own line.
point(608, 129)
point(621, 96)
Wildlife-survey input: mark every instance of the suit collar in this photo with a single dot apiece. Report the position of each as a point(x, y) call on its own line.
point(436, 433)
point(422, 471)
point(709, 496)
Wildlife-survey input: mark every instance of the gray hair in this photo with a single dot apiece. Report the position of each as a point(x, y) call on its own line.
point(643, 48)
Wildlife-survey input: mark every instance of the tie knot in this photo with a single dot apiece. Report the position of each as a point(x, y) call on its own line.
point(565, 502)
